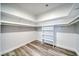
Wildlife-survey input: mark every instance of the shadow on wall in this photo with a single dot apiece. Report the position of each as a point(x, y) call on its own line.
point(9, 28)
point(0, 39)
point(77, 28)
point(74, 29)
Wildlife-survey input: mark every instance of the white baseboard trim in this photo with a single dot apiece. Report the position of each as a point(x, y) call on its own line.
point(16, 47)
point(77, 52)
point(71, 49)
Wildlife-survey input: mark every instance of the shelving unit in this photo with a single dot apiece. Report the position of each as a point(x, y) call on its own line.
point(48, 35)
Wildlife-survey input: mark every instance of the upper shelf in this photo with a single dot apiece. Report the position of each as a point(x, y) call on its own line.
point(61, 22)
point(76, 19)
point(8, 19)
point(15, 23)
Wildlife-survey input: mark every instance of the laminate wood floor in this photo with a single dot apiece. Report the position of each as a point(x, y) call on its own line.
point(36, 48)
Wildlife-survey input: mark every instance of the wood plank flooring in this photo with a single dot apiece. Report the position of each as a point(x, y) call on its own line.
point(36, 48)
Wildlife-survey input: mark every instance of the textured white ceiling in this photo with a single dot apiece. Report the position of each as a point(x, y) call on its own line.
point(38, 11)
point(35, 8)
point(40, 8)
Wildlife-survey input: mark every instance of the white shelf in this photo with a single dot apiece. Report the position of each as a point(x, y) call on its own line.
point(76, 19)
point(15, 23)
point(48, 34)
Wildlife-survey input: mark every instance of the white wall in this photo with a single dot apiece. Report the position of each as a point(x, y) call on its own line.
point(66, 40)
point(66, 37)
point(14, 37)
point(77, 32)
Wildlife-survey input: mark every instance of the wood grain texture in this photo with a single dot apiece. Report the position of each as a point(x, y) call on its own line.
point(36, 48)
